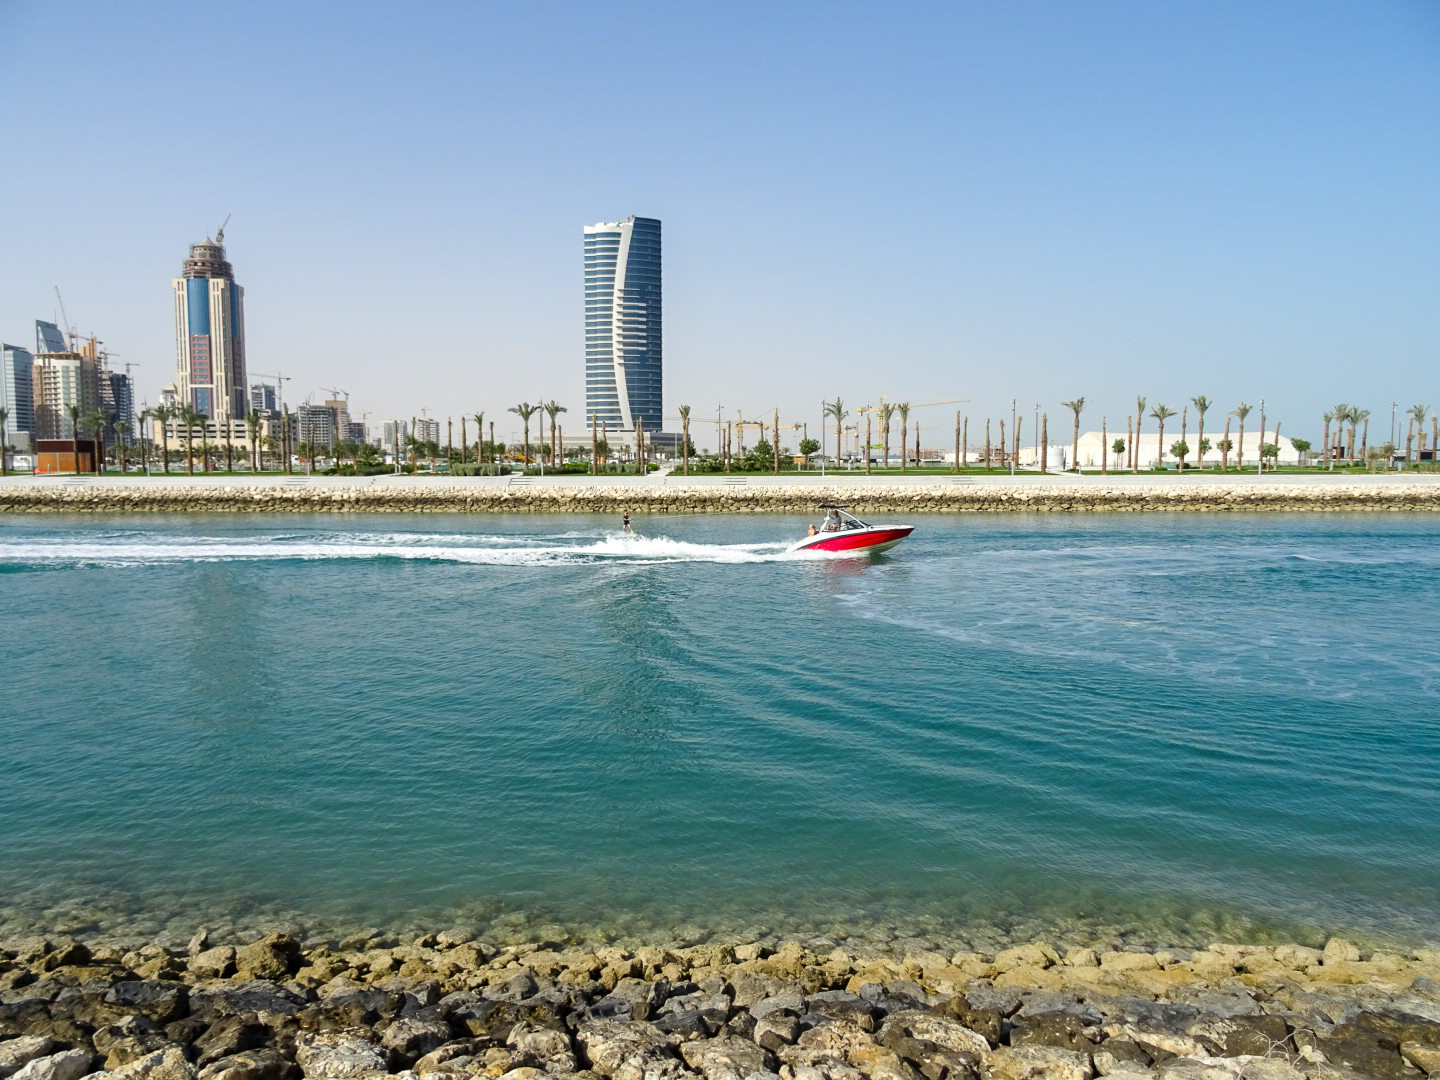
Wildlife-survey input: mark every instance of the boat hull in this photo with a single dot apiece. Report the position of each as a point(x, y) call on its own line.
point(856, 541)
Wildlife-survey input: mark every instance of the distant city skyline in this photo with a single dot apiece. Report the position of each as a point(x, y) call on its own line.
point(957, 200)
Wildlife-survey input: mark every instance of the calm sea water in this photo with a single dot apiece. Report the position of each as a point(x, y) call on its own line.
point(1167, 729)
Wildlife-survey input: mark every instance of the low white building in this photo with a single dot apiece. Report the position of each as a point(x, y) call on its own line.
point(1091, 449)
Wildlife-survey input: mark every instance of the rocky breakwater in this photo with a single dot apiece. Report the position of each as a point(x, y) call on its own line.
point(678, 498)
point(446, 1007)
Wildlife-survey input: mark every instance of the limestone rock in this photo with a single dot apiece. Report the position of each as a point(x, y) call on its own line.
point(409, 1039)
point(152, 998)
point(1340, 949)
point(262, 1064)
point(776, 1030)
point(16, 1053)
point(338, 1055)
point(1030, 956)
point(217, 963)
point(615, 1049)
point(66, 1065)
point(272, 957)
point(726, 1058)
point(1036, 1063)
point(166, 1064)
point(546, 1045)
point(229, 1036)
point(1128, 961)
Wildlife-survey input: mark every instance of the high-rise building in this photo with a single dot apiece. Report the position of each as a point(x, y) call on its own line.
point(210, 333)
point(264, 400)
point(117, 398)
point(392, 436)
point(61, 378)
point(623, 350)
point(427, 430)
point(17, 394)
point(318, 425)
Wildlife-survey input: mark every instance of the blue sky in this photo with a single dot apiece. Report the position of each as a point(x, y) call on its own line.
point(923, 200)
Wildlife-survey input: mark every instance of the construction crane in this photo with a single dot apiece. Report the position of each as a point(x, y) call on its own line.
point(65, 319)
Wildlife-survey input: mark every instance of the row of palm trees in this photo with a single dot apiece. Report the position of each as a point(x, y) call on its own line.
point(1359, 419)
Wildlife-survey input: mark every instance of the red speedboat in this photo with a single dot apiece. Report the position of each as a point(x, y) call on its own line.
point(845, 532)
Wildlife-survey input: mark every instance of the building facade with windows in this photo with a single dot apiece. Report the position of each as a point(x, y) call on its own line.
point(210, 334)
point(623, 339)
point(17, 395)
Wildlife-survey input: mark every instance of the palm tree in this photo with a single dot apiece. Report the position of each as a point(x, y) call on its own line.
point(1135, 443)
point(1077, 405)
point(525, 410)
point(1342, 413)
point(164, 414)
point(685, 437)
point(1363, 415)
point(1202, 405)
point(98, 421)
point(73, 412)
point(1329, 418)
point(1161, 413)
point(837, 410)
point(4, 449)
point(904, 410)
point(479, 419)
point(1352, 415)
point(552, 408)
point(120, 433)
point(1240, 412)
point(1417, 414)
point(189, 416)
point(252, 429)
point(887, 413)
point(144, 416)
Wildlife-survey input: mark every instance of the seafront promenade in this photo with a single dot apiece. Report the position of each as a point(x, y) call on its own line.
point(674, 493)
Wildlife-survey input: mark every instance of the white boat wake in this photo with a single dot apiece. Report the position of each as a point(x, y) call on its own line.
point(480, 550)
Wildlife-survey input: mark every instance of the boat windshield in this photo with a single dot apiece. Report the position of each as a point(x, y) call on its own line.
point(837, 520)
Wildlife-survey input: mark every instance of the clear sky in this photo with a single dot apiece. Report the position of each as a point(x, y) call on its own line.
point(920, 200)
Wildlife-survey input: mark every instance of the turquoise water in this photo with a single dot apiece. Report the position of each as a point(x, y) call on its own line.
point(1164, 729)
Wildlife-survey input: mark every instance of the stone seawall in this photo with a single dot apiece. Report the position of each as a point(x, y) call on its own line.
point(449, 1007)
point(675, 498)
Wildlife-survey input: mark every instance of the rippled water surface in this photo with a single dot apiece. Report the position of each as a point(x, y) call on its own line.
point(1168, 728)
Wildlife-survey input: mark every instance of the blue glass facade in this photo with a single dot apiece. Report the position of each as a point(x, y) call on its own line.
point(623, 337)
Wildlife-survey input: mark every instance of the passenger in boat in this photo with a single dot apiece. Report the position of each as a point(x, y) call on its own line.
point(813, 531)
point(832, 521)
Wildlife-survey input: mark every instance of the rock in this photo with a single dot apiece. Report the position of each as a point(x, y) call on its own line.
point(933, 1028)
point(16, 1053)
point(230, 1035)
point(1340, 949)
point(546, 1045)
point(217, 963)
point(1023, 956)
point(726, 1058)
point(166, 1064)
point(516, 988)
point(1037, 1063)
point(66, 1065)
point(776, 1030)
point(410, 1039)
point(159, 1001)
point(1120, 1055)
point(272, 957)
point(133, 1038)
point(609, 1046)
point(1082, 958)
point(339, 1055)
point(1424, 1058)
point(270, 1003)
point(1260, 1035)
point(264, 1064)
point(1055, 1029)
point(791, 1003)
point(1128, 961)
point(198, 943)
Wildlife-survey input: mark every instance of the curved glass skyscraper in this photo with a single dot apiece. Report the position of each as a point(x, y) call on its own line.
point(622, 324)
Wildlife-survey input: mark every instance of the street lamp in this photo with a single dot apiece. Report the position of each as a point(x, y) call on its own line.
point(1260, 467)
point(1012, 435)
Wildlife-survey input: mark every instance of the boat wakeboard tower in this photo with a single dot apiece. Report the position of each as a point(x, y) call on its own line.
point(844, 532)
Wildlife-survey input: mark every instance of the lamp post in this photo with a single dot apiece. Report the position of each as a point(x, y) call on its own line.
point(1260, 467)
point(1012, 429)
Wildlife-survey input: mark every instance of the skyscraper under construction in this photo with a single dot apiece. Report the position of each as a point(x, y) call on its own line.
point(210, 334)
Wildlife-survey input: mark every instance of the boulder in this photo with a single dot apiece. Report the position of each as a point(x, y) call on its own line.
point(726, 1058)
point(262, 1064)
point(1030, 956)
point(217, 963)
point(409, 1039)
point(230, 1035)
point(133, 1038)
point(166, 1064)
point(546, 1045)
point(1037, 1063)
point(609, 1046)
point(66, 1065)
point(272, 957)
point(17, 1053)
point(776, 1030)
point(338, 1055)
point(152, 998)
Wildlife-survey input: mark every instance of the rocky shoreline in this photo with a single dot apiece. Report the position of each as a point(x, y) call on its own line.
point(449, 1007)
point(679, 498)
